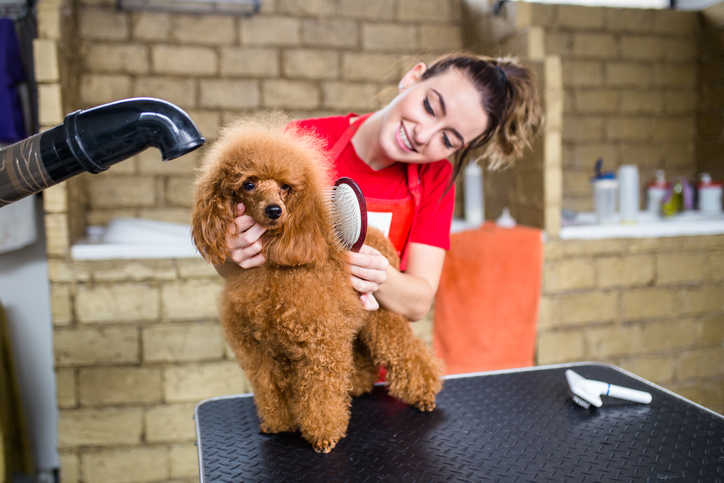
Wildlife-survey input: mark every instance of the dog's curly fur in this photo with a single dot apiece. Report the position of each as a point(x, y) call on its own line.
point(296, 324)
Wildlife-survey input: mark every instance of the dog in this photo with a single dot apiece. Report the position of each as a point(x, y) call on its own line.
point(295, 324)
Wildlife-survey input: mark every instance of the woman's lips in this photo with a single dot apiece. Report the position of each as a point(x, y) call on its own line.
point(403, 140)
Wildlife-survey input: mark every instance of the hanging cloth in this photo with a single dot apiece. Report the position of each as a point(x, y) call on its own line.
point(396, 218)
point(12, 74)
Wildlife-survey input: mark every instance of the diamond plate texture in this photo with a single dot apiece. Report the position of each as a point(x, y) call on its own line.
point(518, 426)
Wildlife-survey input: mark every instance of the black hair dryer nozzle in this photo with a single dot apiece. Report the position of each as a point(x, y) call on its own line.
point(92, 140)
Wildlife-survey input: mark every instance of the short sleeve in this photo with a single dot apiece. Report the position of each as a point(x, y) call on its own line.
point(432, 226)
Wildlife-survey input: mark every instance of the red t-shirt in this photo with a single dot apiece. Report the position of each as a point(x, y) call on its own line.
point(434, 215)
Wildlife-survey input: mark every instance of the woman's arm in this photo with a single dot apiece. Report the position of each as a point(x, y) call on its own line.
point(410, 293)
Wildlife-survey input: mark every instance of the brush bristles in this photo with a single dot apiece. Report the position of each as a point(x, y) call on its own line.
point(346, 215)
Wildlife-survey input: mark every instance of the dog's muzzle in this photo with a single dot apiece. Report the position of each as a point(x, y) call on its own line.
point(273, 211)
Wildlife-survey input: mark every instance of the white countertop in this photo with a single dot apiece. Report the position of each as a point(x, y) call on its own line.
point(690, 223)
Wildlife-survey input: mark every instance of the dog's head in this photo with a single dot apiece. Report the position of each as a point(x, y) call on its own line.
point(281, 177)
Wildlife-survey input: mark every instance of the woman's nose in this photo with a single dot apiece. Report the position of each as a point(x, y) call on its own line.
point(424, 132)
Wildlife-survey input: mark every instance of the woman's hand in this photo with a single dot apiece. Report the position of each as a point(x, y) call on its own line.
point(243, 240)
point(368, 268)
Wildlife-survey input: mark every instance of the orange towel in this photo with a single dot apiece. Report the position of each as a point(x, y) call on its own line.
point(487, 303)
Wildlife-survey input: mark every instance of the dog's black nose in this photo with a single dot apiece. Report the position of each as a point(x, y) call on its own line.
point(273, 211)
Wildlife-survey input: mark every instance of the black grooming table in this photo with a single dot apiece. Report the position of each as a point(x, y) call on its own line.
point(518, 425)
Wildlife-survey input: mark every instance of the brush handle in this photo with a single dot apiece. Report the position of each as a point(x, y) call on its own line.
point(620, 392)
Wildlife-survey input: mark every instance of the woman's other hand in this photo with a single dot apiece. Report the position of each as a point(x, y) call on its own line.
point(243, 240)
point(368, 270)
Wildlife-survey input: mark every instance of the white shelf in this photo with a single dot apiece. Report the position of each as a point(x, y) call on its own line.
point(692, 223)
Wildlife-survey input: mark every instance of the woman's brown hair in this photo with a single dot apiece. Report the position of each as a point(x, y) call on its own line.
point(509, 98)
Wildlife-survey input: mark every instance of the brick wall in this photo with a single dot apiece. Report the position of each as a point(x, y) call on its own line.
point(710, 121)
point(306, 58)
point(630, 80)
point(652, 306)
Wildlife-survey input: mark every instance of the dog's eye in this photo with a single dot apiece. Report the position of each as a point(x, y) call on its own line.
point(286, 187)
point(248, 185)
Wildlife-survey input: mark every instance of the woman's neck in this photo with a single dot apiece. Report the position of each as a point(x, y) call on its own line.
point(366, 143)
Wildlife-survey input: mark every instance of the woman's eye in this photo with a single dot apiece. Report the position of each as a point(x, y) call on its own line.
point(428, 107)
point(446, 141)
point(248, 185)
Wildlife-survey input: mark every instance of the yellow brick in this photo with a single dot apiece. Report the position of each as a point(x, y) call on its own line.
point(559, 44)
point(184, 461)
point(578, 308)
point(103, 24)
point(389, 37)
point(270, 30)
point(203, 29)
point(657, 369)
point(629, 129)
point(595, 45)
point(127, 58)
point(172, 215)
point(701, 363)
point(680, 101)
point(126, 465)
point(555, 347)
point(45, 55)
point(192, 299)
point(290, 94)
point(55, 198)
point(709, 394)
point(625, 271)
point(583, 129)
point(705, 299)
point(644, 303)
point(151, 25)
point(60, 304)
point(50, 109)
point(636, 20)
point(585, 155)
point(110, 190)
point(99, 89)
point(170, 423)
point(571, 274)
point(56, 234)
point(641, 102)
point(425, 11)
point(680, 50)
point(316, 8)
point(606, 342)
point(580, 17)
point(646, 48)
point(69, 467)
point(121, 302)
point(322, 32)
point(133, 270)
point(371, 9)
point(679, 75)
point(179, 91)
point(668, 335)
point(250, 61)
point(195, 268)
point(95, 346)
point(624, 74)
point(228, 94)
point(675, 22)
point(311, 64)
point(99, 427)
point(65, 383)
point(179, 191)
point(346, 96)
point(182, 342)
point(201, 381)
point(441, 37)
point(119, 385)
point(150, 160)
point(189, 61)
point(596, 100)
point(680, 267)
point(49, 20)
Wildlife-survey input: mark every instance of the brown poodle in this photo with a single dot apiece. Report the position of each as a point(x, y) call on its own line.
point(296, 324)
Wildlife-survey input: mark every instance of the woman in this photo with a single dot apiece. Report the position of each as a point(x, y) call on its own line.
point(399, 157)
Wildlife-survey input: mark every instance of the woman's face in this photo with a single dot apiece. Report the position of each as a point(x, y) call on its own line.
point(431, 119)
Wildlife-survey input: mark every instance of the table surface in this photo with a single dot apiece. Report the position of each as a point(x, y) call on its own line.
point(518, 425)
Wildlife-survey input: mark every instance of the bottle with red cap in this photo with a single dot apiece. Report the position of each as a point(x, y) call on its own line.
point(710, 195)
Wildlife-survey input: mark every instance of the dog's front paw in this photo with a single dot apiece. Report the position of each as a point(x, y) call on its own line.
point(426, 406)
point(324, 446)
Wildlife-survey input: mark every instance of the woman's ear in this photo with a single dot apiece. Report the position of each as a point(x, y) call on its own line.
point(413, 75)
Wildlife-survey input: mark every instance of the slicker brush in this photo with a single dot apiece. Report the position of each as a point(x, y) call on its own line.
point(349, 213)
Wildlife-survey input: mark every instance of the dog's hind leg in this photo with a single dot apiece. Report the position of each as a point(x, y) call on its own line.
point(414, 374)
point(365, 371)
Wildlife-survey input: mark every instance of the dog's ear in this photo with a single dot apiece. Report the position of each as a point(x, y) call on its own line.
point(212, 216)
point(305, 239)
